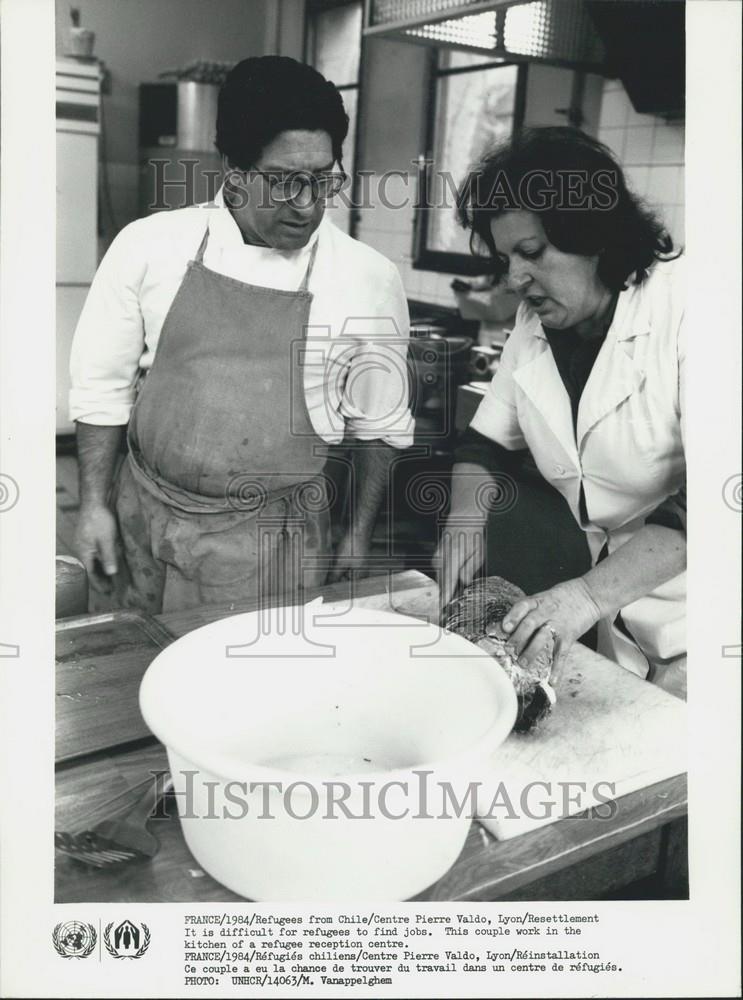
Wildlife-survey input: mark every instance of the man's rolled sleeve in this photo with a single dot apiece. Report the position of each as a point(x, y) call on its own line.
point(376, 395)
point(497, 415)
point(109, 337)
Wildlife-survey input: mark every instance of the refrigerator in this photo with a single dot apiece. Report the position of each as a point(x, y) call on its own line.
point(77, 126)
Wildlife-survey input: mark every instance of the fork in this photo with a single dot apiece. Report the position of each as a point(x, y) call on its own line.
point(122, 838)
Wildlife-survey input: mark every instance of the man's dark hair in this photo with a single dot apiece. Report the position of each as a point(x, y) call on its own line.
point(266, 95)
point(601, 217)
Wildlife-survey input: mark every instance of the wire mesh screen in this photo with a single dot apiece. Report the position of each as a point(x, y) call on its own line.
point(558, 31)
point(394, 11)
point(547, 29)
point(477, 31)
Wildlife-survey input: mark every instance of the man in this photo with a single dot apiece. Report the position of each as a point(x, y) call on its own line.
point(265, 333)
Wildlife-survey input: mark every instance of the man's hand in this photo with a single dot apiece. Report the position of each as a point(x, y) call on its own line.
point(550, 621)
point(459, 556)
point(372, 464)
point(95, 543)
point(349, 557)
point(96, 534)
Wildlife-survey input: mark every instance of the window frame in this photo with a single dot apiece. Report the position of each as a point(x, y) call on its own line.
point(424, 257)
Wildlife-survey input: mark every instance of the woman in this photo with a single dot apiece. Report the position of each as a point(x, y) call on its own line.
point(591, 381)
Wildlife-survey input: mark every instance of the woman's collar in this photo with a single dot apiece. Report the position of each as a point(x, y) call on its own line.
point(630, 317)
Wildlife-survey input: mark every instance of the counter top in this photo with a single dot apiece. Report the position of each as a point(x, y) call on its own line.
point(104, 748)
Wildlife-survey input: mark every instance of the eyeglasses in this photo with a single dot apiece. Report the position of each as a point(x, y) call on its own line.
point(299, 186)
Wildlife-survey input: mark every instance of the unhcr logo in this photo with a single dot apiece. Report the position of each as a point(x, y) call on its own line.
point(127, 940)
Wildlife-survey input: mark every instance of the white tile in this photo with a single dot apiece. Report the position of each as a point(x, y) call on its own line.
point(662, 185)
point(404, 265)
point(403, 270)
point(664, 212)
point(368, 187)
point(364, 232)
point(673, 219)
point(386, 244)
point(370, 238)
point(427, 284)
point(413, 283)
point(638, 144)
point(637, 179)
point(615, 108)
point(377, 217)
point(366, 190)
point(398, 245)
point(396, 191)
point(681, 188)
point(633, 118)
point(614, 138)
point(391, 219)
point(669, 144)
point(442, 290)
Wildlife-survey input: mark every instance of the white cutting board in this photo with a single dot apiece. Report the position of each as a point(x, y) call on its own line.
point(609, 734)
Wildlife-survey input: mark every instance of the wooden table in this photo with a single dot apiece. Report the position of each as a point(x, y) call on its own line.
point(103, 747)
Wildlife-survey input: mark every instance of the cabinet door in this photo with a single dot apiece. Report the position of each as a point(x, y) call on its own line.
point(70, 300)
point(77, 180)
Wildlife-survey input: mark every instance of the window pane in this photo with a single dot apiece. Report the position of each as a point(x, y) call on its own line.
point(455, 59)
point(473, 112)
point(337, 43)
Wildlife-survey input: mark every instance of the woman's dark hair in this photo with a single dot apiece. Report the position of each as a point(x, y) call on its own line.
point(266, 95)
point(578, 189)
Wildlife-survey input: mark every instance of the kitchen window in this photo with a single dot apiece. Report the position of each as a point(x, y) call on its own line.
point(334, 49)
point(475, 103)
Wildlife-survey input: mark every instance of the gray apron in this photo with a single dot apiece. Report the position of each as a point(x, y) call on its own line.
point(221, 498)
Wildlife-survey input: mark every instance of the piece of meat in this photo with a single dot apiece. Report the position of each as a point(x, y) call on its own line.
point(477, 615)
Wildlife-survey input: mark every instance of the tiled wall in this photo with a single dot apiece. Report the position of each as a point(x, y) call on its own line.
point(390, 230)
point(651, 151)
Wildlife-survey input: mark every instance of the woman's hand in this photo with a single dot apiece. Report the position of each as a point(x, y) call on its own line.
point(550, 621)
point(460, 555)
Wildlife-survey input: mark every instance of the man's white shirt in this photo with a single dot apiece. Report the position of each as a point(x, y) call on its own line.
point(354, 360)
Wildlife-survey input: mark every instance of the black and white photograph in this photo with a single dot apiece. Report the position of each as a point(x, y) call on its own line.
point(364, 359)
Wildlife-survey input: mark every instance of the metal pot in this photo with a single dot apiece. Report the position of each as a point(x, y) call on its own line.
point(440, 363)
point(197, 115)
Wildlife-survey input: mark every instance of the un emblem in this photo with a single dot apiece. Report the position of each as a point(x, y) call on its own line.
point(74, 939)
point(128, 940)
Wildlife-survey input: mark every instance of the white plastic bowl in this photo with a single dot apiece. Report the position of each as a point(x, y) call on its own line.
point(299, 698)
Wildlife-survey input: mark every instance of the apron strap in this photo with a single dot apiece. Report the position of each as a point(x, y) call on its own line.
point(199, 258)
point(310, 264)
